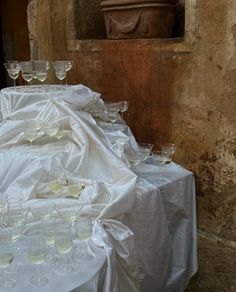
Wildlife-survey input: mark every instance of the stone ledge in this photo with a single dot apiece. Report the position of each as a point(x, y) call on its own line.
point(175, 45)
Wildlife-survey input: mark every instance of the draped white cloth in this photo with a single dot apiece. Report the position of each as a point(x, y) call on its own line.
point(135, 224)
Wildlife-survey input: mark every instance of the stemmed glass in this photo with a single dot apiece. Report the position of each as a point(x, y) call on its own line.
point(51, 128)
point(60, 70)
point(6, 257)
point(169, 147)
point(68, 211)
point(145, 149)
point(83, 227)
point(41, 68)
point(42, 210)
point(134, 158)
point(13, 70)
point(68, 66)
point(162, 158)
point(27, 70)
point(37, 252)
point(64, 244)
point(49, 233)
point(30, 132)
point(15, 218)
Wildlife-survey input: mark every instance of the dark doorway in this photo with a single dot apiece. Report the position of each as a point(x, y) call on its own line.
point(14, 35)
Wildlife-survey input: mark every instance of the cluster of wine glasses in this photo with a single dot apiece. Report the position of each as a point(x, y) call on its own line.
point(110, 112)
point(35, 128)
point(42, 233)
point(37, 69)
point(162, 157)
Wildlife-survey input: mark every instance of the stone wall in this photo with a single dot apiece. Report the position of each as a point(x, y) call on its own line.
point(181, 90)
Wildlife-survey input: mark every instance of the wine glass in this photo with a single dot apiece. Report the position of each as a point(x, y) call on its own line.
point(42, 210)
point(13, 70)
point(168, 147)
point(83, 227)
point(145, 149)
point(134, 157)
point(68, 211)
point(15, 218)
point(68, 66)
point(60, 70)
point(49, 232)
point(51, 128)
point(41, 70)
point(6, 258)
point(64, 244)
point(161, 157)
point(30, 132)
point(37, 252)
point(27, 70)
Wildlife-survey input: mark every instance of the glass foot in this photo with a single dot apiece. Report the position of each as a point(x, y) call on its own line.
point(39, 281)
point(65, 269)
point(15, 268)
point(7, 284)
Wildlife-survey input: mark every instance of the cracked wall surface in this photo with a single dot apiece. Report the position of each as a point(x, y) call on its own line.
point(187, 96)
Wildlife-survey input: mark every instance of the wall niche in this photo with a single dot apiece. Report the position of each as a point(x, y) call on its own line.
point(89, 22)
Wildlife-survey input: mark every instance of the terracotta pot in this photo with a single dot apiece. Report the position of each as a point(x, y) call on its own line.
point(138, 18)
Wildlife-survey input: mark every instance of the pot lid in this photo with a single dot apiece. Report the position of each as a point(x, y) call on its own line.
point(123, 2)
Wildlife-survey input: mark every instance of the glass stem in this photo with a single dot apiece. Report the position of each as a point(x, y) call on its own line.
point(14, 82)
point(38, 271)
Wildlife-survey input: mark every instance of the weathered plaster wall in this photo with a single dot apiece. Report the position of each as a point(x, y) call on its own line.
point(187, 97)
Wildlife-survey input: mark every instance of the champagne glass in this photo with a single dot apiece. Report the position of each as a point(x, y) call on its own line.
point(111, 116)
point(161, 158)
point(51, 128)
point(68, 211)
point(83, 227)
point(6, 258)
point(68, 66)
point(42, 210)
point(169, 147)
point(27, 71)
point(49, 233)
point(15, 218)
point(64, 244)
point(134, 158)
point(61, 132)
point(41, 70)
point(60, 70)
point(145, 149)
point(13, 70)
point(30, 133)
point(37, 252)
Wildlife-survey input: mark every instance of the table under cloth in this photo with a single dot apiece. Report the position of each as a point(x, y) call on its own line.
point(145, 232)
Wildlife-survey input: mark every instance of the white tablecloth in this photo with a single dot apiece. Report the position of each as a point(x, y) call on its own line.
point(147, 225)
